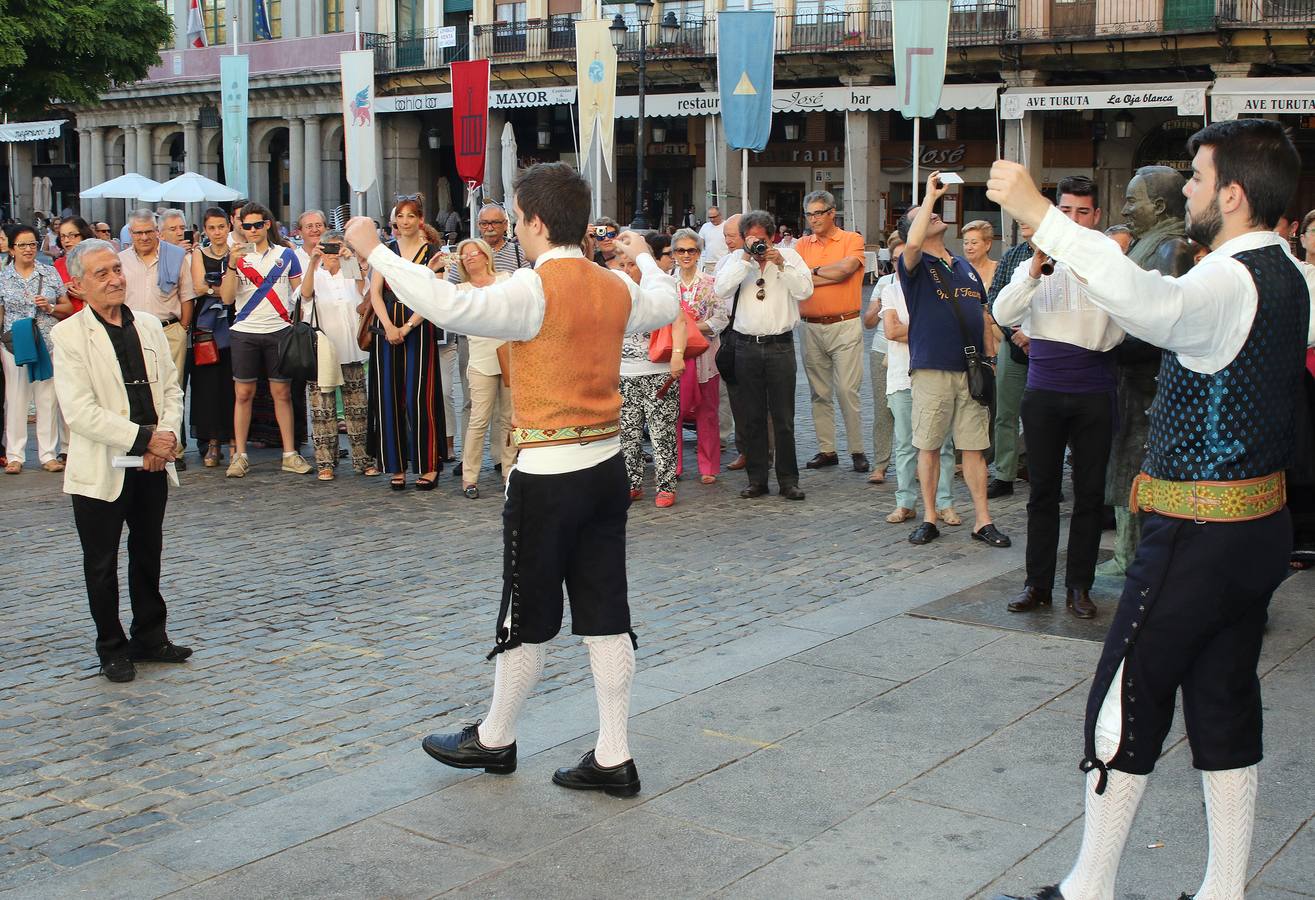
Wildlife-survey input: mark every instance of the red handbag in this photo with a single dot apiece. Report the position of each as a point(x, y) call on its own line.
point(659, 342)
point(205, 352)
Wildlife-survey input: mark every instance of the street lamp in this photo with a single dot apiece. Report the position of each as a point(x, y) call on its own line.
point(619, 31)
point(1123, 123)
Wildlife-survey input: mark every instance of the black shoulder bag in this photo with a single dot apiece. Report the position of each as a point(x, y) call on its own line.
point(726, 350)
point(981, 377)
point(298, 355)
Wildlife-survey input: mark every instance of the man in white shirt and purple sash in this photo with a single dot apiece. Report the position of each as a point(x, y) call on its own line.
point(1217, 534)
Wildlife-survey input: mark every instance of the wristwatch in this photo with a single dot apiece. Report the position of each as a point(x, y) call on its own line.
point(815, 268)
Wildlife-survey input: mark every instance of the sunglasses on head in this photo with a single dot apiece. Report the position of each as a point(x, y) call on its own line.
point(252, 226)
point(400, 197)
point(762, 289)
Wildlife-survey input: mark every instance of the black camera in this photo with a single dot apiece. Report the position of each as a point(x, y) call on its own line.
point(214, 279)
point(330, 249)
point(758, 248)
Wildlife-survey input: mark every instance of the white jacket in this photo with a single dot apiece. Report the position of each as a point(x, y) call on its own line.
point(94, 400)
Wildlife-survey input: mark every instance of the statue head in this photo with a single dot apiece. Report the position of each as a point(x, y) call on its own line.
point(1154, 195)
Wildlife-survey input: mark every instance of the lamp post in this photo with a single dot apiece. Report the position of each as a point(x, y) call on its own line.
point(619, 30)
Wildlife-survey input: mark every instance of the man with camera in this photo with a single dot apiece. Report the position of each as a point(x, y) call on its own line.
point(766, 284)
point(947, 335)
point(832, 333)
point(1069, 401)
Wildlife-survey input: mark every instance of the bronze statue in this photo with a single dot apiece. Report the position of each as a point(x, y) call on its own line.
point(1154, 207)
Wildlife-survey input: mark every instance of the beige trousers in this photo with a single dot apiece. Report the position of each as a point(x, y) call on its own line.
point(490, 403)
point(833, 362)
point(176, 335)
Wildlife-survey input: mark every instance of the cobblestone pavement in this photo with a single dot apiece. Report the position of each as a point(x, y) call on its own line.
point(335, 621)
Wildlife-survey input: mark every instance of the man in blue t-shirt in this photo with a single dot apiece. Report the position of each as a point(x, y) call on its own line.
point(936, 283)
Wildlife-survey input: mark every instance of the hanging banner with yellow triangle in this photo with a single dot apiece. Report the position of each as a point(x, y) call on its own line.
point(746, 51)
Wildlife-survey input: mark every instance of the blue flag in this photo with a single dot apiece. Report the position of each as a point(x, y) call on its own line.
point(233, 79)
point(262, 22)
point(746, 52)
point(922, 29)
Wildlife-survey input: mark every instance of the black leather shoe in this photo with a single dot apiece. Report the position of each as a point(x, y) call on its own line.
point(180, 464)
point(464, 751)
point(1078, 601)
point(118, 669)
point(792, 492)
point(754, 490)
point(861, 463)
point(989, 534)
point(165, 653)
point(618, 781)
point(1030, 599)
point(1049, 892)
point(924, 533)
point(998, 488)
point(822, 460)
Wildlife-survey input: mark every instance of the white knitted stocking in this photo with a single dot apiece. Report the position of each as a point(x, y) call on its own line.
point(1230, 811)
point(612, 659)
point(515, 673)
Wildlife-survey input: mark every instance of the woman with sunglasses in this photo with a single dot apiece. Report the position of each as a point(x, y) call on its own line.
point(407, 425)
point(29, 292)
point(700, 387)
point(72, 231)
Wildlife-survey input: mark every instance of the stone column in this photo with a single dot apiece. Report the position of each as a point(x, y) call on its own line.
point(84, 172)
point(314, 163)
point(96, 158)
point(296, 167)
point(192, 146)
point(144, 164)
point(863, 197)
point(1023, 141)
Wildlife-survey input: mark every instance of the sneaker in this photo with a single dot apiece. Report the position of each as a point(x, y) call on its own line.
point(665, 499)
point(239, 467)
point(118, 669)
point(296, 464)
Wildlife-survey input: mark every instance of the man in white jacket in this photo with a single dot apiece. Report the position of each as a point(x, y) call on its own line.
point(118, 389)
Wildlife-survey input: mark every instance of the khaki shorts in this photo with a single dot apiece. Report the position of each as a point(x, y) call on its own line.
point(943, 406)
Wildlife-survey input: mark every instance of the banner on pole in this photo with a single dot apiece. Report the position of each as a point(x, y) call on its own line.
point(358, 117)
point(470, 119)
point(921, 32)
point(595, 67)
point(746, 53)
point(233, 72)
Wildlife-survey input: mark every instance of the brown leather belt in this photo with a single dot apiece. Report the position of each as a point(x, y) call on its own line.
point(830, 320)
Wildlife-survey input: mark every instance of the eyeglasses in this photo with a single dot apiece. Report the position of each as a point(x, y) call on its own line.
point(818, 213)
point(762, 289)
point(684, 251)
point(147, 233)
point(608, 235)
point(665, 253)
point(102, 231)
point(250, 226)
point(26, 245)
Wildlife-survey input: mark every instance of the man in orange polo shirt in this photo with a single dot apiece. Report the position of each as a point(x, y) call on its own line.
point(833, 333)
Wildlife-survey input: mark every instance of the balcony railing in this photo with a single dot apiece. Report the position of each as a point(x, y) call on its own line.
point(285, 55)
point(415, 51)
point(1269, 13)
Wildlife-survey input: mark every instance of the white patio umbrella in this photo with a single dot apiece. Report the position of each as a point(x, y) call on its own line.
point(509, 163)
point(125, 187)
point(191, 188)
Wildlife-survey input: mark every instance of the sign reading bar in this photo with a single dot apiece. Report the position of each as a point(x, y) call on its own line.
point(1189, 98)
point(511, 99)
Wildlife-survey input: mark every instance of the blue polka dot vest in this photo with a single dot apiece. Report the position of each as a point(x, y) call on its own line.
point(1239, 422)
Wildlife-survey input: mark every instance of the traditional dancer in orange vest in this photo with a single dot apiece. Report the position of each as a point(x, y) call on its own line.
point(567, 496)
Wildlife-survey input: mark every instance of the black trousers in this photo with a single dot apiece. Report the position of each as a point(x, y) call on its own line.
point(100, 525)
point(1054, 420)
point(765, 385)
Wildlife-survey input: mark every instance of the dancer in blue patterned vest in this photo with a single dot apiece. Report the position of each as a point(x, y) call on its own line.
point(1217, 534)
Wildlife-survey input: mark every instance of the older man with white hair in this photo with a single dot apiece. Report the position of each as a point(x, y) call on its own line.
point(159, 283)
point(119, 391)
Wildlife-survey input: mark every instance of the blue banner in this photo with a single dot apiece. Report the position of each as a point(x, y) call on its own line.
point(233, 80)
point(922, 29)
point(746, 54)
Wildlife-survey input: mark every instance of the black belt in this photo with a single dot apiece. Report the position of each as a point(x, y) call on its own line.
point(172, 320)
point(784, 337)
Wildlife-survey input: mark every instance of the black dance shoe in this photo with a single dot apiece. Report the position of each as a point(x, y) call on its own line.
point(617, 781)
point(118, 669)
point(464, 751)
point(165, 653)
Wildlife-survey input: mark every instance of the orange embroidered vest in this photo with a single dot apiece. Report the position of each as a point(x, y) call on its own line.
point(566, 381)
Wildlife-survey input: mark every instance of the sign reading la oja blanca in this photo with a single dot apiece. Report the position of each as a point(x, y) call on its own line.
point(829, 99)
point(1189, 98)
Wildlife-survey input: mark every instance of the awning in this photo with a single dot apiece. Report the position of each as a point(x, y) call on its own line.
point(1233, 97)
point(30, 131)
point(1187, 97)
point(829, 99)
